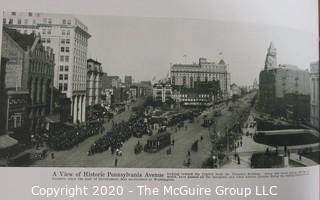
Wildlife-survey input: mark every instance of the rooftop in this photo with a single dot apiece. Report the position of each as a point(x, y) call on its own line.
point(24, 40)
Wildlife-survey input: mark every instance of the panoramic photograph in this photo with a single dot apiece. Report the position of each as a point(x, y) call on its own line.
point(155, 92)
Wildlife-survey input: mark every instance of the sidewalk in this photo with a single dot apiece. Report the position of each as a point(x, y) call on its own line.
point(245, 151)
point(304, 161)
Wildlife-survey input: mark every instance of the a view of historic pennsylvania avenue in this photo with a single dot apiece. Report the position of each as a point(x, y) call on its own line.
point(106, 91)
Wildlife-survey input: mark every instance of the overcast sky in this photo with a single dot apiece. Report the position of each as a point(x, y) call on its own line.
point(144, 47)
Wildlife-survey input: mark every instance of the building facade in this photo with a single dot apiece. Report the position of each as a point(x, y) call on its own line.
point(162, 92)
point(68, 37)
point(94, 87)
point(109, 82)
point(128, 81)
point(33, 64)
point(17, 115)
point(314, 94)
point(186, 75)
point(280, 86)
point(6, 142)
point(203, 94)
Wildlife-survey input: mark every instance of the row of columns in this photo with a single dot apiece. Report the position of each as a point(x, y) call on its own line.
point(94, 88)
point(38, 92)
point(78, 108)
point(39, 89)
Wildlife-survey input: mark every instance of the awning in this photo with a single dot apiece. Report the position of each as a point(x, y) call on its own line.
point(6, 141)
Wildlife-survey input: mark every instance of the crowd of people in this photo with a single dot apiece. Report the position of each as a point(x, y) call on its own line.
point(119, 134)
point(67, 137)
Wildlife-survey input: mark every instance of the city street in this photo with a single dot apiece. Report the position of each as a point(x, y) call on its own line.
point(183, 137)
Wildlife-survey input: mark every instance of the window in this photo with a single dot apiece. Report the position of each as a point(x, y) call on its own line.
point(66, 68)
point(48, 40)
point(68, 32)
point(65, 87)
point(67, 49)
point(69, 21)
point(30, 14)
point(49, 32)
point(62, 49)
point(60, 86)
point(63, 21)
point(62, 41)
point(13, 13)
point(66, 77)
point(67, 41)
point(60, 76)
point(4, 20)
point(61, 67)
point(63, 32)
point(67, 58)
point(49, 21)
point(43, 31)
point(10, 21)
point(19, 21)
point(25, 21)
point(34, 22)
point(61, 58)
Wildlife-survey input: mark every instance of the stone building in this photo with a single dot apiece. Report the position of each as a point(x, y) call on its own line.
point(68, 37)
point(94, 87)
point(30, 68)
point(162, 92)
point(186, 75)
point(280, 86)
point(314, 95)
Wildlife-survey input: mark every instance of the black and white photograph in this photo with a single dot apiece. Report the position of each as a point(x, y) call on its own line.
point(156, 92)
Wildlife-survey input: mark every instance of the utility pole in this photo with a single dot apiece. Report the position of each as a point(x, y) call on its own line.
point(227, 132)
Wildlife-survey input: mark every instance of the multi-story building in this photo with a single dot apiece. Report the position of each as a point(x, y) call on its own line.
point(94, 82)
point(17, 115)
point(144, 88)
point(7, 143)
point(314, 95)
point(68, 37)
point(186, 75)
point(111, 82)
point(30, 68)
point(3, 99)
point(133, 92)
point(280, 86)
point(128, 81)
point(162, 92)
point(203, 94)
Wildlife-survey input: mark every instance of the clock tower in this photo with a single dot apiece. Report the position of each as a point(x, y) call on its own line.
point(271, 59)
